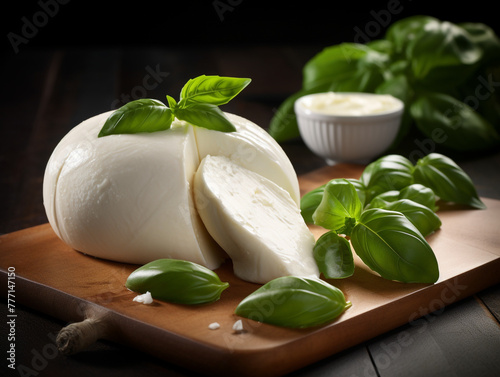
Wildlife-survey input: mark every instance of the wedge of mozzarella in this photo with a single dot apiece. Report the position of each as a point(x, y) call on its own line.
point(251, 147)
point(254, 220)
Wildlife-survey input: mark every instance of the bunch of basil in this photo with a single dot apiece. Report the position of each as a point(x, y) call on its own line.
point(386, 215)
point(446, 74)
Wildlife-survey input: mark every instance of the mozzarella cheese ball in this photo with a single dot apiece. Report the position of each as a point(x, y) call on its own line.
point(129, 198)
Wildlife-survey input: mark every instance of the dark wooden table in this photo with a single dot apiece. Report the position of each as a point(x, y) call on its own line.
point(48, 90)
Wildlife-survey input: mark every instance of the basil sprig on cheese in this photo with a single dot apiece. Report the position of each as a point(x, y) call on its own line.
point(198, 104)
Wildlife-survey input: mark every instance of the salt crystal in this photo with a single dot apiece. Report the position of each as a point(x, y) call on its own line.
point(214, 326)
point(145, 298)
point(238, 326)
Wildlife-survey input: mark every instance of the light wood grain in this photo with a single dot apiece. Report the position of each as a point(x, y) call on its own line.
point(53, 278)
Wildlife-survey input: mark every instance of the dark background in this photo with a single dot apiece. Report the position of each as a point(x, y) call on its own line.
point(77, 23)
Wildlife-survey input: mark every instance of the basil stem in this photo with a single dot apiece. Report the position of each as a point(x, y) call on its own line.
point(177, 281)
point(292, 301)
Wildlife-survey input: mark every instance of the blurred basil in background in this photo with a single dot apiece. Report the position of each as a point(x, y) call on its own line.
point(446, 74)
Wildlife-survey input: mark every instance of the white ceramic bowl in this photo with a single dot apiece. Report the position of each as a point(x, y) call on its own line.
point(348, 138)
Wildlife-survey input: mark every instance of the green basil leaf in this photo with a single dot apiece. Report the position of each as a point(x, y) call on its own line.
point(424, 219)
point(343, 68)
point(333, 255)
point(420, 194)
point(403, 31)
point(339, 208)
point(295, 302)
point(443, 54)
point(177, 281)
point(415, 192)
point(390, 172)
point(459, 126)
point(214, 90)
point(381, 200)
point(399, 87)
point(143, 115)
point(483, 36)
point(205, 115)
point(309, 202)
point(448, 181)
point(388, 243)
point(172, 103)
point(283, 125)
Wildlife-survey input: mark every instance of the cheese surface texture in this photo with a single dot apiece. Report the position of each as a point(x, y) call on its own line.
point(254, 220)
point(129, 198)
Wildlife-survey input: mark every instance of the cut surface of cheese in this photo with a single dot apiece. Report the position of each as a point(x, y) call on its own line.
point(253, 148)
point(254, 220)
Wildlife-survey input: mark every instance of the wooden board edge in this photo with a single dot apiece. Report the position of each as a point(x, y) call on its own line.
point(265, 363)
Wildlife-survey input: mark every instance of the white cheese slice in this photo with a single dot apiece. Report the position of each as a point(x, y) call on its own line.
point(254, 220)
point(253, 148)
point(128, 197)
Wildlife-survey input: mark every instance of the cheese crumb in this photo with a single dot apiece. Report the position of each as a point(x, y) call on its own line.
point(214, 326)
point(146, 298)
point(238, 326)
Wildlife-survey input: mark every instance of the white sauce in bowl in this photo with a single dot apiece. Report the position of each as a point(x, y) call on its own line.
point(350, 104)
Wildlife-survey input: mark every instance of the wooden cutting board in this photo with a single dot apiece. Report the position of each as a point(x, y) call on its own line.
point(55, 279)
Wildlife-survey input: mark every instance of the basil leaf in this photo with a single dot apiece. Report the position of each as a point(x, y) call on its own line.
point(205, 115)
point(420, 194)
point(404, 31)
point(333, 256)
point(283, 125)
point(390, 172)
point(461, 128)
point(415, 192)
point(177, 281)
point(448, 181)
point(309, 202)
point(339, 208)
point(424, 219)
point(143, 115)
point(399, 87)
point(443, 55)
point(347, 67)
point(295, 302)
point(381, 199)
point(388, 243)
point(214, 90)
